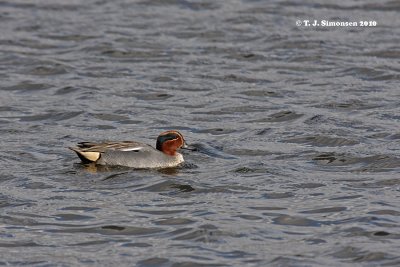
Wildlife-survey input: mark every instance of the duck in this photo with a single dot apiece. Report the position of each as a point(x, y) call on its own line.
point(135, 154)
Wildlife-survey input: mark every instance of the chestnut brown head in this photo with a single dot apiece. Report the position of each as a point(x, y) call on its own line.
point(170, 141)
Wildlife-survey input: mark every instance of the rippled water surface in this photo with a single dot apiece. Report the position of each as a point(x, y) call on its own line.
point(297, 131)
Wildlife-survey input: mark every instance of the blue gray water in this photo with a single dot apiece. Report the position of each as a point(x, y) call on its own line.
point(297, 131)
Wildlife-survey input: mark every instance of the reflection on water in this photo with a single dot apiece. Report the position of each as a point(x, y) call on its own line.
point(295, 133)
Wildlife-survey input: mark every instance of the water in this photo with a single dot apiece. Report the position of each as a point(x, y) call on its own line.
point(297, 131)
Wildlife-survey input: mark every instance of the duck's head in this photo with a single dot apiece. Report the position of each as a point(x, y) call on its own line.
point(170, 141)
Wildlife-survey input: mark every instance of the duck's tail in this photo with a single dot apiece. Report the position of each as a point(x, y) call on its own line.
point(86, 156)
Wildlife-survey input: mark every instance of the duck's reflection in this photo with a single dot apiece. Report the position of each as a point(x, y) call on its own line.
point(169, 171)
point(96, 168)
point(115, 172)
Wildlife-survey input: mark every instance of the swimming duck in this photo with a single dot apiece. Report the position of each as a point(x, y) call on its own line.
point(134, 154)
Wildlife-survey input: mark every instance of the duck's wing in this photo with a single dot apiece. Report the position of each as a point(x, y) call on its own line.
point(102, 147)
point(91, 151)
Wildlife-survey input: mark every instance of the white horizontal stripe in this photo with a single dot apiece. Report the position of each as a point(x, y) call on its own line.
point(132, 149)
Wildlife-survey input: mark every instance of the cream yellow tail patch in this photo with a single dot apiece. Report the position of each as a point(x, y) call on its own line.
point(92, 156)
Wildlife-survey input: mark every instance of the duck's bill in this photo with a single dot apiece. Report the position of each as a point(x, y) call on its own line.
point(188, 147)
